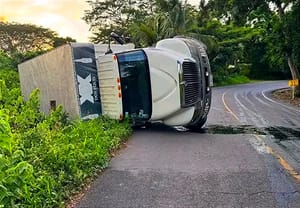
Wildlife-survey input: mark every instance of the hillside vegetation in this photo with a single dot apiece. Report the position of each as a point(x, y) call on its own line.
point(46, 159)
point(255, 39)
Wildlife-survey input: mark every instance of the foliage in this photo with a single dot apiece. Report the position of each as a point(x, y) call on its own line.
point(59, 41)
point(153, 29)
point(279, 19)
point(21, 42)
point(24, 37)
point(169, 18)
point(27, 38)
point(172, 18)
point(235, 31)
point(45, 159)
point(233, 80)
point(7, 71)
point(6, 62)
point(108, 16)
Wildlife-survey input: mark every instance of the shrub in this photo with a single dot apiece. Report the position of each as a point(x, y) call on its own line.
point(232, 80)
point(44, 159)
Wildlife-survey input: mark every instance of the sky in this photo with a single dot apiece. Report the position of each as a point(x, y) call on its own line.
point(62, 16)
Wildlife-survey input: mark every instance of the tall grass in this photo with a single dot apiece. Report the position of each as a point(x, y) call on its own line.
point(45, 159)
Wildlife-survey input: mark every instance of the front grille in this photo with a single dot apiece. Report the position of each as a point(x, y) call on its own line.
point(191, 85)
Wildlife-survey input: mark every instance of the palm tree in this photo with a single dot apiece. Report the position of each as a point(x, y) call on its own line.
point(153, 29)
point(172, 18)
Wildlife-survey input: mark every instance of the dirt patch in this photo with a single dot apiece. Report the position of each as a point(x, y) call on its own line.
point(285, 95)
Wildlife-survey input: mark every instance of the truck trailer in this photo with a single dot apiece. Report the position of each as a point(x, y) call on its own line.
point(169, 83)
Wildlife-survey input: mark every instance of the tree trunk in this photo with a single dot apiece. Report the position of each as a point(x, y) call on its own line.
point(293, 68)
point(295, 74)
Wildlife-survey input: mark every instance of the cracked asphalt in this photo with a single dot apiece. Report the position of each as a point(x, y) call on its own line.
point(168, 167)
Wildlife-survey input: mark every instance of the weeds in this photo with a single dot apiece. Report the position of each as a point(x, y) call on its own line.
point(44, 159)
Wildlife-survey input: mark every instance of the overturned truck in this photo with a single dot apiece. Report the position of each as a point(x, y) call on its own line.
point(169, 83)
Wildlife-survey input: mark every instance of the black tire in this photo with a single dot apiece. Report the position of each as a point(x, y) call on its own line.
point(198, 126)
point(148, 125)
point(144, 124)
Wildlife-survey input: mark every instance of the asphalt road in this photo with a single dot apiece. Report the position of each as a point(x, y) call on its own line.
point(246, 156)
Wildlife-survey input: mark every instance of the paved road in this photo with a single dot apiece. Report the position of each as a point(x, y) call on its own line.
point(252, 110)
point(237, 161)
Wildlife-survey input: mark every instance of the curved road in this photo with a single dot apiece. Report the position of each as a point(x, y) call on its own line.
point(246, 156)
point(252, 104)
point(251, 109)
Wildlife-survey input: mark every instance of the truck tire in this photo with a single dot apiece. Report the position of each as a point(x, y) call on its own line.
point(198, 126)
point(144, 124)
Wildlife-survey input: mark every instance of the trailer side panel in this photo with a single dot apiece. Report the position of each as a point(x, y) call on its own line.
point(53, 73)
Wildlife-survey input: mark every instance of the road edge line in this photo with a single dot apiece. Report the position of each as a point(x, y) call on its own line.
point(284, 164)
point(278, 103)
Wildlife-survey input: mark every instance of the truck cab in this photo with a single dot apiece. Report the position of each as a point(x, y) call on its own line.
point(169, 83)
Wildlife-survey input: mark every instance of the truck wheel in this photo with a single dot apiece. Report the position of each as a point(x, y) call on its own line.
point(148, 125)
point(198, 125)
point(138, 125)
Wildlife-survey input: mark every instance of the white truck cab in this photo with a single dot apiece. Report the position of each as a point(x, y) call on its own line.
point(169, 83)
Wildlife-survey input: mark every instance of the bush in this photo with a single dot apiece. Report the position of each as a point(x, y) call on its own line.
point(44, 159)
point(43, 165)
point(232, 80)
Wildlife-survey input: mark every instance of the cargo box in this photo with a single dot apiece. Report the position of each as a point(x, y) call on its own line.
point(67, 76)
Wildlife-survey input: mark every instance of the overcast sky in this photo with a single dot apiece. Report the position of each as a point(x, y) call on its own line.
point(62, 16)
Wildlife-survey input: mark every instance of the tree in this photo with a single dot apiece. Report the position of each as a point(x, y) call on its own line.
point(145, 21)
point(25, 41)
point(280, 21)
point(21, 38)
point(16, 37)
point(238, 33)
point(58, 41)
point(204, 13)
point(108, 16)
point(228, 51)
point(290, 27)
point(151, 30)
point(171, 18)
point(283, 29)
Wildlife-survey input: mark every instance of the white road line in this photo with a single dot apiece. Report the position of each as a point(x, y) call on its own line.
point(250, 111)
point(260, 98)
point(260, 145)
point(271, 100)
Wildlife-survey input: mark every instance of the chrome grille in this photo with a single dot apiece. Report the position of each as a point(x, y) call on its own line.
point(190, 83)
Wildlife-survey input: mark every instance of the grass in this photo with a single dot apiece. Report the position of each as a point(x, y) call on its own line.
point(47, 164)
point(234, 80)
point(44, 160)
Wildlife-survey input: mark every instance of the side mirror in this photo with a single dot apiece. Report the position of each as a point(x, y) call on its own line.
point(117, 38)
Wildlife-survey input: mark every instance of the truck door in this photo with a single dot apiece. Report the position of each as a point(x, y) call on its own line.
point(135, 85)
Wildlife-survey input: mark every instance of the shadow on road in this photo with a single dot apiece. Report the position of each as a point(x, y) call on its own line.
point(279, 133)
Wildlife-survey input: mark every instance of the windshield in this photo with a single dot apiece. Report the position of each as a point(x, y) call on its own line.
point(135, 84)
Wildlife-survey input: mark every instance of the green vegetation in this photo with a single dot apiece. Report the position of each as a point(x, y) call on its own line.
point(233, 80)
point(46, 159)
point(25, 38)
point(20, 42)
point(262, 35)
